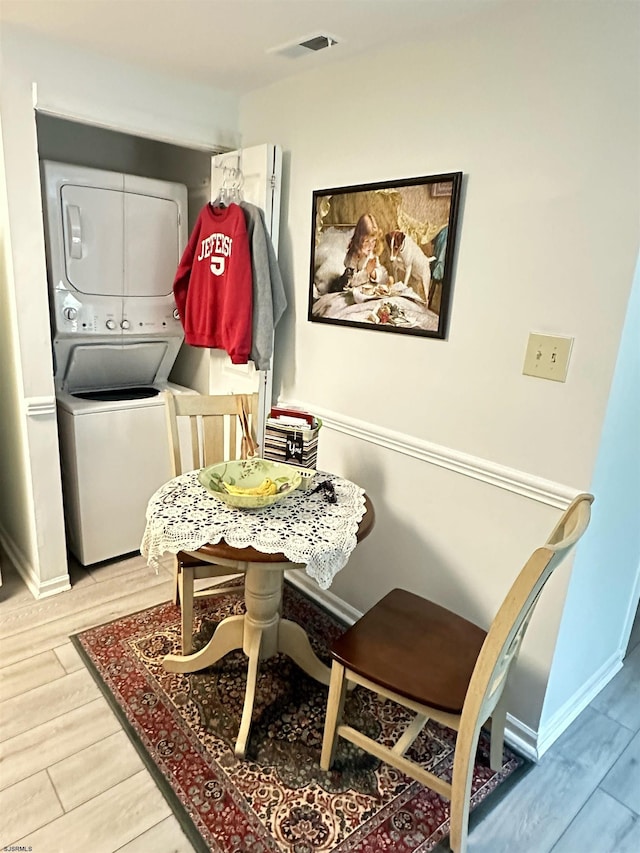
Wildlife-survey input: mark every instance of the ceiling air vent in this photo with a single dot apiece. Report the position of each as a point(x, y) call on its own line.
point(318, 42)
point(310, 44)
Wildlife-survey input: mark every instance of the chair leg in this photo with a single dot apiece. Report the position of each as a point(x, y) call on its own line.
point(176, 581)
point(463, 764)
point(185, 579)
point(410, 734)
point(335, 706)
point(498, 722)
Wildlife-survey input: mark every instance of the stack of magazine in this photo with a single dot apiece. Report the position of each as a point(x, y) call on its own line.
point(291, 436)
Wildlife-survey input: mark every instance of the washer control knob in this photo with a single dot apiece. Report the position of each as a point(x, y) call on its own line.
point(176, 315)
point(111, 324)
point(70, 313)
point(125, 324)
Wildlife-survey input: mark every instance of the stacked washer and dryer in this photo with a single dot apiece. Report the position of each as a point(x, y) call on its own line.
point(113, 245)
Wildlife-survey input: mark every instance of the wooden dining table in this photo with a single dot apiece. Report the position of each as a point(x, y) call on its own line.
point(260, 631)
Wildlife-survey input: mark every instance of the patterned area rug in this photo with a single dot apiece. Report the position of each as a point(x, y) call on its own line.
point(278, 798)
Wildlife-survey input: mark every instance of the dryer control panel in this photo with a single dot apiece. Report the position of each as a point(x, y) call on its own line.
point(81, 314)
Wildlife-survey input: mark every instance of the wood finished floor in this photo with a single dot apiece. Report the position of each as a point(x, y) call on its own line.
point(71, 782)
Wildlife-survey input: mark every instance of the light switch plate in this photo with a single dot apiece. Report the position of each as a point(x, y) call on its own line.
point(547, 357)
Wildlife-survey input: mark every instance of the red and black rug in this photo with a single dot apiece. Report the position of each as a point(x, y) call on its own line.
point(278, 798)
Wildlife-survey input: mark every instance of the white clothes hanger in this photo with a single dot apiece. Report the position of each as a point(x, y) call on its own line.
point(231, 189)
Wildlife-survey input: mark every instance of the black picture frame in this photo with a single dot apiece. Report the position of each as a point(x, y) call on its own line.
point(382, 254)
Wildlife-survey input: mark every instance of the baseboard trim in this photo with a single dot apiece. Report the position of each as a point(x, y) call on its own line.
point(511, 479)
point(549, 732)
point(521, 738)
point(53, 586)
point(38, 588)
point(344, 612)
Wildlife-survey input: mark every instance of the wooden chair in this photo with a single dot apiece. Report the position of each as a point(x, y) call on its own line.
point(443, 667)
point(220, 427)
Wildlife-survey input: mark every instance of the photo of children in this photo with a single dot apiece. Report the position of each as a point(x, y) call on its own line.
point(381, 254)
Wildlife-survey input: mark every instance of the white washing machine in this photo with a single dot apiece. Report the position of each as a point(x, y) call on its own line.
point(113, 245)
point(114, 445)
point(114, 454)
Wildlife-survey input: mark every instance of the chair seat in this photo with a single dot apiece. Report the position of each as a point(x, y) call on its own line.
point(187, 560)
point(383, 647)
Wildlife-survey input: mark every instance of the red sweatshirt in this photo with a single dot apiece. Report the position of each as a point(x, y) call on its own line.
point(213, 283)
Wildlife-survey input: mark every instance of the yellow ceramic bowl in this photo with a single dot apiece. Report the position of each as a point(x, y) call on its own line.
point(249, 474)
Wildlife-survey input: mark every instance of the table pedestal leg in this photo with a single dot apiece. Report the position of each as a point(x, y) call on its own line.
point(260, 633)
point(249, 695)
point(226, 638)
point(294, 641)
point(262, 595)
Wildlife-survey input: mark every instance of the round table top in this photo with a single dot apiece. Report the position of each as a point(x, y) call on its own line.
point(250, 555)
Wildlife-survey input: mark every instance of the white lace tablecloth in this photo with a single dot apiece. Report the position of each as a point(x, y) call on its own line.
point(305, 527)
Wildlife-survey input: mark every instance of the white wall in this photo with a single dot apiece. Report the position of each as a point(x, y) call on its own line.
point(599, 612)
point(538, 105)
point(15, 508)
point(77, 86)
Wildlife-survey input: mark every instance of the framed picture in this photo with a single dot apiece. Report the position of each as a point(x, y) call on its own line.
point(382, 254)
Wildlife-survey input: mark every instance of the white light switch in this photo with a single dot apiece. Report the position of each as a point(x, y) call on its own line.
point(547, 357)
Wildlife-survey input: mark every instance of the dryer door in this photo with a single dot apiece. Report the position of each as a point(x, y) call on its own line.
point(93, 239)
point(151, 244)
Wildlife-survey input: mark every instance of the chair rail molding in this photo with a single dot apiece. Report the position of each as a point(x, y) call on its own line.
point(39, 407)
point(539, 489)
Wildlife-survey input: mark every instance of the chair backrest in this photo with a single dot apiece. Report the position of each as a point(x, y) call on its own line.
point(218, 428)
point(504, 638)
